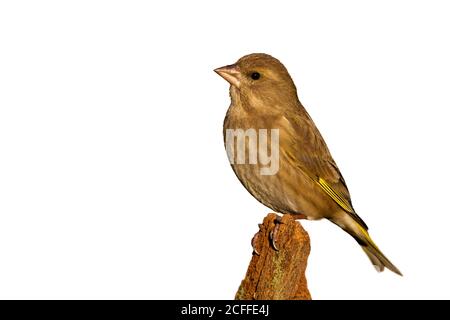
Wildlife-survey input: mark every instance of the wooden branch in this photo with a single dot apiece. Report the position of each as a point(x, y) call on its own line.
point(278, 275)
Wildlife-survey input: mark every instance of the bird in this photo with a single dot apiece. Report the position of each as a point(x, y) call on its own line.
point(307, 183)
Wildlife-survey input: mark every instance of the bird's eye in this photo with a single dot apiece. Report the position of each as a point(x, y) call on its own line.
point(255, 75)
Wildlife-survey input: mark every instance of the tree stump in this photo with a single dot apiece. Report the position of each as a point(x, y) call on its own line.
point(278, 275)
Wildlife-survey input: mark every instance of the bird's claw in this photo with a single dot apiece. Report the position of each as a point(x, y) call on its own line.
point(272, 241)
point(255, 241)
point(274, 233)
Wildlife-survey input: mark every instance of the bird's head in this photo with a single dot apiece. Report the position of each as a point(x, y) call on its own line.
point(260, 76)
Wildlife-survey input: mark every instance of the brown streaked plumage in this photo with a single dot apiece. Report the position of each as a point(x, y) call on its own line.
point(308, 182)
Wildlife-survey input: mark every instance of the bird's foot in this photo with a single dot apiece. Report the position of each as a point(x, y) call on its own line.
point(298, 216)
point(274, 233)
point(255, 240)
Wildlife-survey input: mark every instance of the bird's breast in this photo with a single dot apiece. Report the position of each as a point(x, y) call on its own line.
point(259, 152)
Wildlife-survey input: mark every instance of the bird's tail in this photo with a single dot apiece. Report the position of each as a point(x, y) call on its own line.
point(378, 259)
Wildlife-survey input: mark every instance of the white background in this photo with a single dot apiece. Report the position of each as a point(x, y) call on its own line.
point(114, 182)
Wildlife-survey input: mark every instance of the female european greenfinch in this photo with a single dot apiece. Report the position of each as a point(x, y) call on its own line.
point(302, 179)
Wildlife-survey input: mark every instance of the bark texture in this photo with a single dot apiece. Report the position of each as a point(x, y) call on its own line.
point(278, 275)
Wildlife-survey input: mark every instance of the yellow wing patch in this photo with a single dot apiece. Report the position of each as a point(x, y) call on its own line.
point(335, 195)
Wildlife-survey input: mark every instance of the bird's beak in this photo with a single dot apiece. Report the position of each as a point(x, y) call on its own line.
point(231, 73)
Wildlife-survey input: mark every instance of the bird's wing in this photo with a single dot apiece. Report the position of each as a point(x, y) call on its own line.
point(308, 151)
